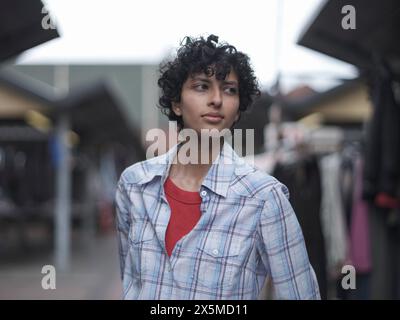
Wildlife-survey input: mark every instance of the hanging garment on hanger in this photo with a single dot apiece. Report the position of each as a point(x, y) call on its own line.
point(304, 183)
point(359, 245)
point(359, 229)
point(385, 251)
point(382, 154)
point(347, 169)
point(332, 213)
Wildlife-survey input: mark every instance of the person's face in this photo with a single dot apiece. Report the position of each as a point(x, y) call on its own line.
point(207, 103)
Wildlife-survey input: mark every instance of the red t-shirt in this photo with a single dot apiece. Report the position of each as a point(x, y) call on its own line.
point(185, 212)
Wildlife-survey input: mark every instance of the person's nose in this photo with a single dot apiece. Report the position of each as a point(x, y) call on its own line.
point(215, 97)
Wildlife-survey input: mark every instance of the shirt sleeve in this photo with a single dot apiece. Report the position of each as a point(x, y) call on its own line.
point(283, 249)
point(123, 222)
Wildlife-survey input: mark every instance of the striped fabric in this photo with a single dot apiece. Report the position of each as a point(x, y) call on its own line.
point(247, 230)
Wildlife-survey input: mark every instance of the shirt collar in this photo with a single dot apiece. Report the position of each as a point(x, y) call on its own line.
point(219, 176)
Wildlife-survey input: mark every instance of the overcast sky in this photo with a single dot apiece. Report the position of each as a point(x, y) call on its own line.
point(144, 32)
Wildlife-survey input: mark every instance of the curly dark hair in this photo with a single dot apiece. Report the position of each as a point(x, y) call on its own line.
point(198, 55)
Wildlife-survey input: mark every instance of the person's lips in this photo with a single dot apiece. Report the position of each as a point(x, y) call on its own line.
point(213, 117)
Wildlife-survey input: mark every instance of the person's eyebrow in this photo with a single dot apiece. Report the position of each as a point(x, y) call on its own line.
point(234, 82)
point(200, 78)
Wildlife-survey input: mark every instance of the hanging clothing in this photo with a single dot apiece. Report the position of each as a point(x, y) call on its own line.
point(360, 252)
point(332, 213)
point(347, 170)
point(304, 182)
point(382, 154)
point(385, 249)
point(381, 184)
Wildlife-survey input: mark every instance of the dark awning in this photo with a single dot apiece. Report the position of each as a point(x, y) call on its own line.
point(377, 32)
point(95, 112)
point(21, 27)
point(96, 115)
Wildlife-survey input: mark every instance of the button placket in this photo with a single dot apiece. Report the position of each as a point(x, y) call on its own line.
point(205, 197)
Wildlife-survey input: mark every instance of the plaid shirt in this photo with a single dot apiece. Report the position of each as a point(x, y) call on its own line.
point(247, 230)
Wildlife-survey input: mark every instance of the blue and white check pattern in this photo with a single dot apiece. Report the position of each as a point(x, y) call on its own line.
point(247, 230)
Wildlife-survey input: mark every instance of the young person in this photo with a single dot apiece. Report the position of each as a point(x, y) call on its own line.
point(209, 229)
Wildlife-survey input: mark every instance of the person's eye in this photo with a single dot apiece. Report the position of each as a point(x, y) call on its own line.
point(201, 87)
point(231, 90)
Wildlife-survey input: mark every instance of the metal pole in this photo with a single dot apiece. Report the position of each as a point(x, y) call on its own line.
point(63, 179)
point(63, 197)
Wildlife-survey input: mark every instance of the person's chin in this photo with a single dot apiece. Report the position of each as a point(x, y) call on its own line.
point(216, 131)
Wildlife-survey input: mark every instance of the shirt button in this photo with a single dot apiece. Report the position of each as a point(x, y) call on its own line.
point(215, 252)
point(203, 193)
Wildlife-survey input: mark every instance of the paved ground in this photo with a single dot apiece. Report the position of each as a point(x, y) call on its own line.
point(93, 273)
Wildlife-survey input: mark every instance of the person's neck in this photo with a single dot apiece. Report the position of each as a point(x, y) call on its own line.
point(189, 176)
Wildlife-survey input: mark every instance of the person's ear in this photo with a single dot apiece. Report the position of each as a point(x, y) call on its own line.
point(176, 108)
point(237, 117)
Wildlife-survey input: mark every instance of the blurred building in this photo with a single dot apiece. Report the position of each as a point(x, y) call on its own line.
point(101, 140)
point(135, 86)
point(66, 134)
point(347, 105)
